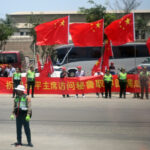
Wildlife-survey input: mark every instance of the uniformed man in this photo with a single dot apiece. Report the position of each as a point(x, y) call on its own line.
point(16, 80)
point(22, 111)
point(122, 77)
point(30, 80)
point(108, 83)
point(144, 79)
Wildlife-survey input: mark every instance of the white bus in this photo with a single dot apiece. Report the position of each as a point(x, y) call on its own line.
point(126, 56)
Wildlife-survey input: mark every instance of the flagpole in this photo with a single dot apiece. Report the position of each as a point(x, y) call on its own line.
point(34, 55)
point(102, 50)
point(134, 40)
point(68, 27)
point(134, 49)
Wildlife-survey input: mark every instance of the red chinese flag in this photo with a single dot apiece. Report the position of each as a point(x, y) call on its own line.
point(121, 31)
point(39, 63)
point(148, 45)
point(87, 34)
point(53, 32)
point(48, 68)
point(107, 54)
point(96, 66)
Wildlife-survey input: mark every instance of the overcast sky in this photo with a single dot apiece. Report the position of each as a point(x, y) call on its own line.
point(11, 6)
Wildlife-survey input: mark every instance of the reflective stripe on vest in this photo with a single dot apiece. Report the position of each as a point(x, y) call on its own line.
point(107, 77)
point(143, 74)
point(17, 76)
point(22, 101)
point(30, 75)
point(123, 76)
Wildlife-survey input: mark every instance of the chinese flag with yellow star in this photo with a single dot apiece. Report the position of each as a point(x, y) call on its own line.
point(96, 67)
point(121, 31)
point(107, 54)
point(87, 34)
point(53, 32)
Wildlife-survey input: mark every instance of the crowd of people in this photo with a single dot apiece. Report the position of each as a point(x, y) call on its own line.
point(143, 76)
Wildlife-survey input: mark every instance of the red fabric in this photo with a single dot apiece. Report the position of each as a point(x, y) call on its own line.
point(148, 45)
point(96, 67)
point(87, 34)
point(53, 32)
point(107, 53)
point(91, 84)
point(39, 63)
point(121, 31)
point(48, 68)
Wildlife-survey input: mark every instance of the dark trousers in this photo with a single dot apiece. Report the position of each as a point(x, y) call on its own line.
point(65, 95)
point(15, 84)
point(30, 84)
point(107, 89)
point(144, 85)
point(20, 121)
point(123, 86)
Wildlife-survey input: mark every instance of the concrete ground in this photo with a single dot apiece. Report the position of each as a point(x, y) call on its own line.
point(88, 123)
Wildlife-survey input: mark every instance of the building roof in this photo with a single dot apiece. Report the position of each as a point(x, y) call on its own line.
point(68, 12)
point(44, 12)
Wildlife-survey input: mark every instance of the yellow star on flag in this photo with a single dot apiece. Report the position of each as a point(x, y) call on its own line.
point(98, 25)
point(62, 23)
point(127, 21)
point(97, 63)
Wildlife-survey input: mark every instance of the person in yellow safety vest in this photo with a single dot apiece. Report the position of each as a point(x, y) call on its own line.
point(22, 110)
point(144, 79)
point(122, 77)
point(30, 80)
point(108, 83)
point(16, 80)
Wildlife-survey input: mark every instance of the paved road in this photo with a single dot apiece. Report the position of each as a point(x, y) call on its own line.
point(81, 124)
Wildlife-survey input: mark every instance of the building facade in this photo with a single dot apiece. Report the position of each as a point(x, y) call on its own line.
point(21, 40)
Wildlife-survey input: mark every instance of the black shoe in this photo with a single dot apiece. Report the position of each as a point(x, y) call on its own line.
point(67, 95)
point(30, 145)
point(32, 96)
point(18, 144)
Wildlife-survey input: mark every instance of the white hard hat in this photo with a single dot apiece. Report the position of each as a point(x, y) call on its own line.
point(20, 88)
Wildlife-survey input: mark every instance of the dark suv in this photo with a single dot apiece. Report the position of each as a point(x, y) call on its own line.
point(134, 70)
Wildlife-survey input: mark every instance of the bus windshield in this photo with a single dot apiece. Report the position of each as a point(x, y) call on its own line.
point(8, 58)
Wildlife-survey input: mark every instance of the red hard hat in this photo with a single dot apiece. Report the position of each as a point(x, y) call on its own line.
point(112, 63)
point(79, 67)
point(63, 68)
point(139, 67)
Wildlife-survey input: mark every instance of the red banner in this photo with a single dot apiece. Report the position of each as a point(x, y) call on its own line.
point(89, 84)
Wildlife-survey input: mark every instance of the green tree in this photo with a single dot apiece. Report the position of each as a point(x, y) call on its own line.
point(6, 30)
point(126, 6)
point(97, 12)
